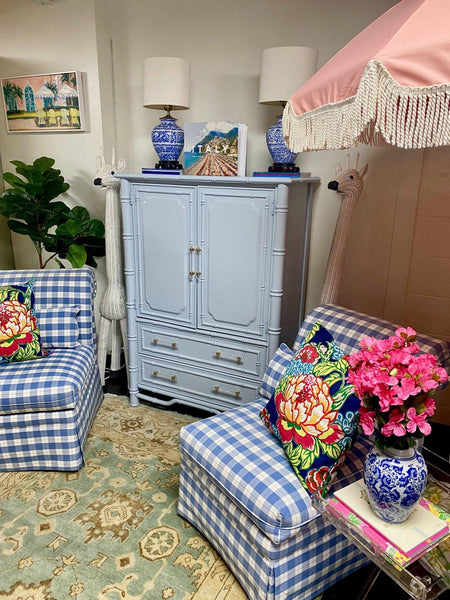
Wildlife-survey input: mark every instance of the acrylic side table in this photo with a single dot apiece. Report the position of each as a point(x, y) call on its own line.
point(418, 578)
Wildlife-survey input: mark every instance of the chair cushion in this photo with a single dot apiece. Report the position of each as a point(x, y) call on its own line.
point(59, 326)
point(314, 410)
point(20, 337)
point(248, 464)
point(275, 370)
point(52, 383)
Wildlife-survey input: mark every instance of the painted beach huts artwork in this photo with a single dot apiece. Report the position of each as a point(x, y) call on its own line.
point(215, 148)
point(44, 103)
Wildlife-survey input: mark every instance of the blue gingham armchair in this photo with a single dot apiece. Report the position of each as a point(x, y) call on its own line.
point(47, 405)
point(239, 490)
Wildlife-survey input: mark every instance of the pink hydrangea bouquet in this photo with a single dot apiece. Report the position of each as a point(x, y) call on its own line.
point(394, 382)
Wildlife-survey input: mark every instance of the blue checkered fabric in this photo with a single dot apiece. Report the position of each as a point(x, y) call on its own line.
point(238, 488)
point(51, 290)
point(59, 326)
point(50, 383)
point(349, 327)
point(275, 370)
point(47, 405)
point(50, 440)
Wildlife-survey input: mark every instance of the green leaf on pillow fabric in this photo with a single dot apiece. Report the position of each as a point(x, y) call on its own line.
point(342, 396)
point(299, 457)
point(331, 450)
point(312, 332)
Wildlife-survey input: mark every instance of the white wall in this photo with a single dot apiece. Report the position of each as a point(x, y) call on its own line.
point(224, 42)
point(108, 41)
point(46, 39)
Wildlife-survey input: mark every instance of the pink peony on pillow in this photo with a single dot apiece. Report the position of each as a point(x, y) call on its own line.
point(314, 410)
point(19, 331)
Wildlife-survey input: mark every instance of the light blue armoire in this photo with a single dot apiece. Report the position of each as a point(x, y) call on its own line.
point(215, 271)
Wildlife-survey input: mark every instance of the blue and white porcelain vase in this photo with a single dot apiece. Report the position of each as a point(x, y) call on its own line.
point(278, 149)
point(395, 481)
point(168, 139)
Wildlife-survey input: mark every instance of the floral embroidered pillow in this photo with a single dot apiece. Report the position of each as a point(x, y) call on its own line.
point(19, 331)
point(314, 410)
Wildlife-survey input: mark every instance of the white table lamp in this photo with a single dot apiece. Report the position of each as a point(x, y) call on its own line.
point(283, 71)
point(167, 85)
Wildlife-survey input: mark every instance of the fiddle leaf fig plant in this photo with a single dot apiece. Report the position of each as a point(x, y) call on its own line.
point(31, 208)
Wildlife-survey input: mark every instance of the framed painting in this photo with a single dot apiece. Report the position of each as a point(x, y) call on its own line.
point(44, 103)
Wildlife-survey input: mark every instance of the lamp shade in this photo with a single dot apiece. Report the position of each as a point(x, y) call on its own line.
point(167, 82)
point(283, 71)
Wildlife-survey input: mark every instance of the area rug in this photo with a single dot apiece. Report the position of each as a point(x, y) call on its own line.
point(109, 531)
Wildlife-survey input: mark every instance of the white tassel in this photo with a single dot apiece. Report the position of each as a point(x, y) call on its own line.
point(382, 112)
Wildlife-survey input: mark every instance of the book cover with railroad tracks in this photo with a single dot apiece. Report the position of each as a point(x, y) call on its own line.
point(215, 148)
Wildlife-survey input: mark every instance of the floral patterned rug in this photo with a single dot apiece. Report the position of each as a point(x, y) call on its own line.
point(109, 531)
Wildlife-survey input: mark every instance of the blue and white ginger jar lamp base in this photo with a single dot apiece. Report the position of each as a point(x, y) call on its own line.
point(283, 158)
point(168, 141)
point(395, 481)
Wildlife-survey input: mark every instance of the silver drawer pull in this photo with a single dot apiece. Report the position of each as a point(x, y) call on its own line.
point(216, 389)
point(172, 378)
point(157, 341)
point(238, 359)
point(198, 272)
point(191, 262)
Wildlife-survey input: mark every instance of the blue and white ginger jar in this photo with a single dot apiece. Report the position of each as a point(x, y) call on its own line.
point(278, 149)
point(168, 139)
point(395, 481)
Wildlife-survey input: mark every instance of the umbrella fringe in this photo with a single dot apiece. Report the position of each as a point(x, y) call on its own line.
point(382, 113)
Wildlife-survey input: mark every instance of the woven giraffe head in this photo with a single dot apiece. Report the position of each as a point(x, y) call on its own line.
point(348, 181)
point(104, 174)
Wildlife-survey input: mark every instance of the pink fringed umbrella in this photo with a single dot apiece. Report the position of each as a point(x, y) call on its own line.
point(390, 85)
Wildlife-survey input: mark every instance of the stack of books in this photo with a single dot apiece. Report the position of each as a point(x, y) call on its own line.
point(150, 171)
point(401, 543)
point(294, 175)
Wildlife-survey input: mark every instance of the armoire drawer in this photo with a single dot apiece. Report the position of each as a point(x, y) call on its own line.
point(171, 379)
point(215, 352)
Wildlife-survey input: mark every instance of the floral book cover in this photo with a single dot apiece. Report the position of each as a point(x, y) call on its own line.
point(215, 148)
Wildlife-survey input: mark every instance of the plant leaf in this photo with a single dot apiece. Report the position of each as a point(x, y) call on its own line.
point(76, 255)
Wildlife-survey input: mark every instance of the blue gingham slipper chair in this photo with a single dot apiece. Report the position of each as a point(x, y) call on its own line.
point(238, 488)
point(50, 386)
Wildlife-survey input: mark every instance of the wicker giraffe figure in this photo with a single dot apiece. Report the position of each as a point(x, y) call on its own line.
point(349, 184)
point(112, 306)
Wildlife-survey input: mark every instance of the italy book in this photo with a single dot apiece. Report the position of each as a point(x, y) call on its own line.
point(400, 542)
point(215, 148)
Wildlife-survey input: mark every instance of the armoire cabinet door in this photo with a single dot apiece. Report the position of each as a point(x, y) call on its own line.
point(235, 244)
point(165, 222)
